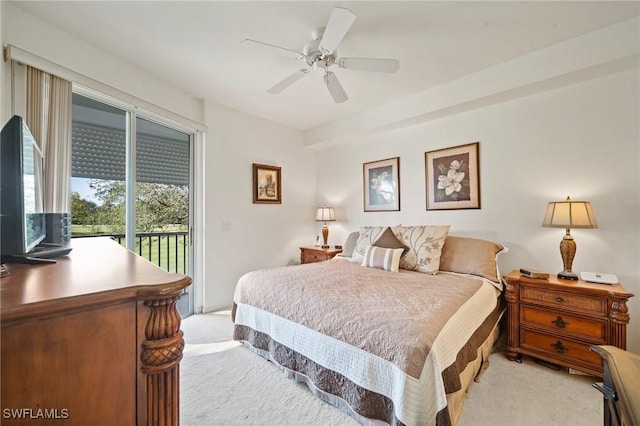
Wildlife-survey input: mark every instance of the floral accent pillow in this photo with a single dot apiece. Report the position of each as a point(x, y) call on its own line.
point(368, 236)
point(425, 247)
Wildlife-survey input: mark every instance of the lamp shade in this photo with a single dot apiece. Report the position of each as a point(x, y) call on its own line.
point(569, 214)
point(325, 214)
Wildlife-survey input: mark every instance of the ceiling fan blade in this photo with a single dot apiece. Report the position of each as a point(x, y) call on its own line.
point(260, 44)
point(336, 90)
point(288, 81)
point(368, 64)
point(339, 23)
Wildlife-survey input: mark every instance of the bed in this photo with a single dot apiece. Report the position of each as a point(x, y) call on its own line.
point(393, 332)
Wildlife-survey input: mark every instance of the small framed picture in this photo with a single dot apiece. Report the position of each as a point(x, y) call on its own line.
point(453, 178)
point(382, 185)
point(267, 184)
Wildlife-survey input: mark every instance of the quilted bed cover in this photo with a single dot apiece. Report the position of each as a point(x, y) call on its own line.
point(385, 346)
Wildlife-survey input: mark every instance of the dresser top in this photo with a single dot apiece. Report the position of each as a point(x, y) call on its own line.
point(96, 268)
point(575, 285)
point(322, 250)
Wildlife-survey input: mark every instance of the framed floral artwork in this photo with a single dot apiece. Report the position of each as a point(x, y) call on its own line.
point(453, 178)
point(381, 181)
point(267, 184)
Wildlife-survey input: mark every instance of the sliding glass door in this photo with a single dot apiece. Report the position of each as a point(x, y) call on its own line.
point(162, 170)
point(131, 181)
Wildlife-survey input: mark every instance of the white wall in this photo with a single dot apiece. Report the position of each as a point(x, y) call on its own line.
point(242, 236)
point(582, 140)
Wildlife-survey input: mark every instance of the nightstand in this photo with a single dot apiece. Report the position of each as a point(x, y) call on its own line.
point(557, 320)
point(317, 254)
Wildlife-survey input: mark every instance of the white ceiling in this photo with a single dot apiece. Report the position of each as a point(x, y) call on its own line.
point(196, 45)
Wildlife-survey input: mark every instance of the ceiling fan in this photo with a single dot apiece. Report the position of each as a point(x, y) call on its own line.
point(320, 54)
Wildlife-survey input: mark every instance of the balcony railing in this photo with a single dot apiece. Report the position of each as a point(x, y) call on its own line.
point(168, 250)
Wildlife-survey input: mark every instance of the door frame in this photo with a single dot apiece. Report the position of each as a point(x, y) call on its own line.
point(196, 178)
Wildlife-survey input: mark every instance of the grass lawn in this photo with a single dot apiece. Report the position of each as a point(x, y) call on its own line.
point(91, 229)
point(170, 251)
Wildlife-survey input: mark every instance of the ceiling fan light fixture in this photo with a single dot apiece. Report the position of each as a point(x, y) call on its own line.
point(320, 66)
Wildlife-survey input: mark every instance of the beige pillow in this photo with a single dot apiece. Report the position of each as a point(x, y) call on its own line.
point(368, 235)
point(349, 244)
point(382, 258)
point(424, 247)
point(471, 256)
point(389, 240)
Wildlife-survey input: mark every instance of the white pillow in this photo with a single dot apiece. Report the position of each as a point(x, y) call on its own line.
point(349, 244)
point(382, 258)
point(425, 247)
point(368, 236)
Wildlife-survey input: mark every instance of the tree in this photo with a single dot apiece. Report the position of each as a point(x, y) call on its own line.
point(111, 211)
point(82, 211)
point(162, 204)
point(157, 205)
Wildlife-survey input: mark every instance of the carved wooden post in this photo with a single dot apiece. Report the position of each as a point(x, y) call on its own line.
point(619, 315)
point(161, 355)
point(513, 331)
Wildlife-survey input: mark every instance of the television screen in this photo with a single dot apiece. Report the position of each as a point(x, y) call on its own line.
point(33, 190)
point(22, 218)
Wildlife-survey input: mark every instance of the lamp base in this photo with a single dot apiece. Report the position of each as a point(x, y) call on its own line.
point(567, 275)
point(325, 236)
point(568, 251)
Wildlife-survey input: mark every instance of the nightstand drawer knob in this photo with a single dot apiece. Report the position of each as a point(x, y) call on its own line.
point(559, 299)
point(560, 322)
point(559, 347)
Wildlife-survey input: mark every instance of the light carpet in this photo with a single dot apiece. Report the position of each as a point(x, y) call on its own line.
point(224, 383)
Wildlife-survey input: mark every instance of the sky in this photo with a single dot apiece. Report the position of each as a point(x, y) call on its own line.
point(81, 186)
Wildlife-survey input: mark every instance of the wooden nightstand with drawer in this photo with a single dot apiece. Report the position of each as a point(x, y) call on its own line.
point(557, 320)
point(317, 254)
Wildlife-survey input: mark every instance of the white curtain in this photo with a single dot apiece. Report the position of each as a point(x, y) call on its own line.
point(49, 119)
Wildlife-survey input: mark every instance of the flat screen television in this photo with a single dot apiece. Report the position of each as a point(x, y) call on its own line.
point(22, 217)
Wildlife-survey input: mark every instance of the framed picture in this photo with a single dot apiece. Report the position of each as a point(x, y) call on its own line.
point(453, 178)
point(382, 185)
point(267, 184)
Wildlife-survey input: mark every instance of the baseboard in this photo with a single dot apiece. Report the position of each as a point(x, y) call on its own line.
point(212, 309)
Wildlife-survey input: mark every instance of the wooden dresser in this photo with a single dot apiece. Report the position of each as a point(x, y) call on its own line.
point(557, 320)
point(317, 254)
point(93, 339)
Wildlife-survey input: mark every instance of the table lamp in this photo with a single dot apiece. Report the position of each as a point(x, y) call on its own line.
point(569, 214)
point(325, 214)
